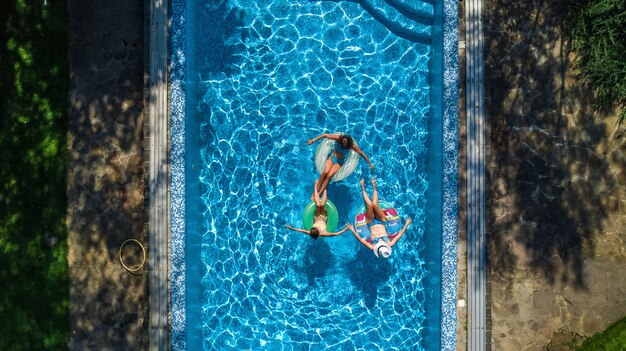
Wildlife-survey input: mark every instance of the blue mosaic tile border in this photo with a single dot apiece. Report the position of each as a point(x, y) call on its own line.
point(450, 175)
point(177, 174)
point(178, 48)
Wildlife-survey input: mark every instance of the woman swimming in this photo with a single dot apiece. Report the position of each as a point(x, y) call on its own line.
point(379, 240)
point(337, 157)
point(320, 218)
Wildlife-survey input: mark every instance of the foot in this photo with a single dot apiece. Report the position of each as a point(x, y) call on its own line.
point(362, 182)
point(373, 183)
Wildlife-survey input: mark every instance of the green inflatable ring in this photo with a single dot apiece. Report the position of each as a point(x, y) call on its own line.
point(309, 213)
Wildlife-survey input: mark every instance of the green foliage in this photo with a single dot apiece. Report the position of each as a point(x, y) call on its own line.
point(598, 30)
point(612, 339)
point(34, 298)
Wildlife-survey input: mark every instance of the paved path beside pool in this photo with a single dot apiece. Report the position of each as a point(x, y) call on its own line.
point(558, 186)
point(108, 305)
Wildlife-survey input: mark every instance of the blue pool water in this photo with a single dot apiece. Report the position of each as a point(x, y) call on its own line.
point(262, 78)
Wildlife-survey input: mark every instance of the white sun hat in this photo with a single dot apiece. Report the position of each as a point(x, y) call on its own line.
point(382, 249)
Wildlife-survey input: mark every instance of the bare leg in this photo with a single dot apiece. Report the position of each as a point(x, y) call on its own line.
point(316, 195)
point(369, 210)
point(374, 193)
point(327, 167)
point(333, 170)
point(378, 211)
point(320, 202)
point(323, 176)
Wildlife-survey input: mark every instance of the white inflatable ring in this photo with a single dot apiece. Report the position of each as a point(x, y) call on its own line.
point(321, 155)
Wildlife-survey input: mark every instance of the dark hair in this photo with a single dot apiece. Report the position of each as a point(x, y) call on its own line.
point(314, 232)
point(347, 139)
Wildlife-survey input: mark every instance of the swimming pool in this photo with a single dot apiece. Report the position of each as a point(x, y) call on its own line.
point(251, 81)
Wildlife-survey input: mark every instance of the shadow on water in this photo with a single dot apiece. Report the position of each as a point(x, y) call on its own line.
point(381, 11)
point(208, 135)
point(219, 44)
point(317, 261)
point(219, 48)
point(340, 195)
point(367, 273)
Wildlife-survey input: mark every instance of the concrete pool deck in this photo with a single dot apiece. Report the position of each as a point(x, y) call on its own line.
point(557, 178)
point(108, 305)
point(557, 183)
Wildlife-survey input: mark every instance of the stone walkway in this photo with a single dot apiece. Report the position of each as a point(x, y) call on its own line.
point(108, 305)
point(558, 186)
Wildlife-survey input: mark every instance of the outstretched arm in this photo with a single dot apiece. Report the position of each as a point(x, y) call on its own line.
point(401, 233)
point(361, 240)
point(360, 152)
point(325, 135)
point(336, 233)
point(297, 229)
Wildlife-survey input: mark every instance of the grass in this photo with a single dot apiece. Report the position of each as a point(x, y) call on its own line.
point(611, 339)
point(33, 127)
point(598, 30)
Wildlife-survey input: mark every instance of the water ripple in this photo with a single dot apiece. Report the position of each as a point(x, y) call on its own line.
point(286, 72)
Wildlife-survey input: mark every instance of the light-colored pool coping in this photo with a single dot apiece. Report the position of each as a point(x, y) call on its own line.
point(477, 336)
point(161, 199)
point(158, 177)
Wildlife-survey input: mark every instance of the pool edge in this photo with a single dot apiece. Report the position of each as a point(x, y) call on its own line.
point(450, 176)
point(158, 207)
point(177, 173)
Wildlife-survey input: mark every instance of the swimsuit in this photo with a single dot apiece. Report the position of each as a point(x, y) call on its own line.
point(340, 150)
point(376, 221)
point(320, 217)
point(375, 240)
point(386, 238)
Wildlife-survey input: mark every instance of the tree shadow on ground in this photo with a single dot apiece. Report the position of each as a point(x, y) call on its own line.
point(105, 180)
point(552, 187)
